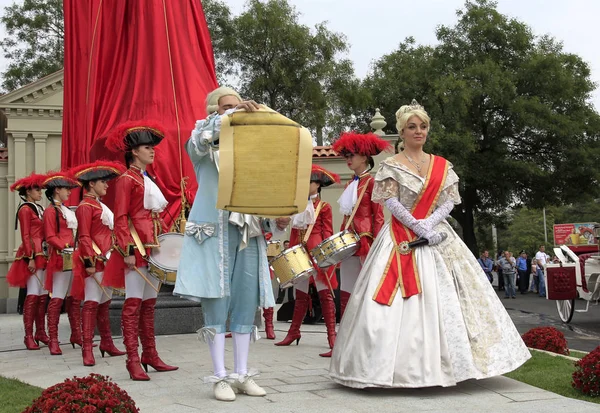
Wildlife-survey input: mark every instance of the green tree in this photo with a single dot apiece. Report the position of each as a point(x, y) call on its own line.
point(34, 45)
point(299, 71)
point(510, 110)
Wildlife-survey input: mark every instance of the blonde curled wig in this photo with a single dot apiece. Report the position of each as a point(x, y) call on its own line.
point(404, 114)
point(212, 100)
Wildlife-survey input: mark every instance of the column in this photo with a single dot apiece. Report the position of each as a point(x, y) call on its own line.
point(39, 164)
point(19, 154)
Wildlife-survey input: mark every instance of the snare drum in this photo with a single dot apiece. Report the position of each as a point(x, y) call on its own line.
point(336, 248)
point(273, 248)
point(163, 261)
point(67, 257)
point(292, 266)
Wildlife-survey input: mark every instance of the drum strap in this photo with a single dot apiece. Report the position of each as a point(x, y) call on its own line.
point(311, 226)
point(360, 197)
point(136, 239)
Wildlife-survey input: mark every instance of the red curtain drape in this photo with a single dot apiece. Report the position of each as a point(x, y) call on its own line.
point(132, 60)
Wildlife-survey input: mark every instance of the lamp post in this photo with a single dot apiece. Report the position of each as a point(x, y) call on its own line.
point(545, 231)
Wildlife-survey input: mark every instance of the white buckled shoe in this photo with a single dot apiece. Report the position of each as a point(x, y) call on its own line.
point(223, 391)
point(249, 387)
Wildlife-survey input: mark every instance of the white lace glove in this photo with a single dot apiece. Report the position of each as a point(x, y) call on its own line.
point(434, 237)
point(403, 215)
point(440, 214)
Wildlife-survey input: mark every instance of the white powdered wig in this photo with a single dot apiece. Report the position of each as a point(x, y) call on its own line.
point(212, 100)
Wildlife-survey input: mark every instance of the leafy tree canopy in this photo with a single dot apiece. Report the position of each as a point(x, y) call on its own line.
point(512, 112)
point(34, 45)
point(301, 72)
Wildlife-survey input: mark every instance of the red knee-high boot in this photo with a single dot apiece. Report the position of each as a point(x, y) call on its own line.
point(40, 320)
point(344, 297)
point(328, 307)
point(300, 308)
point(268, 316)
point(149, 354)
point(130, 320)
point(29, 313)
point(106, 342)
point(53, 319)
point(88, 315)
point(74, 313)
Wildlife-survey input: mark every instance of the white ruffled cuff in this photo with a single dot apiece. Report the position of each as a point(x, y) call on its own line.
point(233, 377)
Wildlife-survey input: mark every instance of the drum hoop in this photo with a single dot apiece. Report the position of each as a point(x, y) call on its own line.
point(337, 235)
point(154, 262)
point(289, 250)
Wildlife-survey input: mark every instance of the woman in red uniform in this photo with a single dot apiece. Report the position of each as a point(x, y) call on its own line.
point(138, 203)
point(358, 150)
point(318, 217)
point(95, 222)
point(59, 226)
point(30, 262)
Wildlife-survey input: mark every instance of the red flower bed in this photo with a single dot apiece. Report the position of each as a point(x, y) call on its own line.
point(586, 377)
point(546, 338)
point(90, 394)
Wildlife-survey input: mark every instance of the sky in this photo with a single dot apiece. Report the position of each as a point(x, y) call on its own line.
point(376, 27)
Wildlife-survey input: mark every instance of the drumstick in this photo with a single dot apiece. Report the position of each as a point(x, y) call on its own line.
point(147, 280)
point(101, 287)
point(38, 278)
point(326, 276)
point(329, 284)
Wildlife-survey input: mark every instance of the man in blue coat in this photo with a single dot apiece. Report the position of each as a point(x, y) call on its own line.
point(224, 257)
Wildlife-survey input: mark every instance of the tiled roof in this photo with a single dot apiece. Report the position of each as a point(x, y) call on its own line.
point(324, 152)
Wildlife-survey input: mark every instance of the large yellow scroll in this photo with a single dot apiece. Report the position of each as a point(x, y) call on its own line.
point(264, 164)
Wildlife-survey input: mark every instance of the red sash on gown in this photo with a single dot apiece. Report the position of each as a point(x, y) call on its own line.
point(401, 269)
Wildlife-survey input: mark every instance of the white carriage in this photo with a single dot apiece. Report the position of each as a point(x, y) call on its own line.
point(576, 276)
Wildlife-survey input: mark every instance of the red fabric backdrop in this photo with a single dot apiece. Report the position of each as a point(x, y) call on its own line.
point(131, 60)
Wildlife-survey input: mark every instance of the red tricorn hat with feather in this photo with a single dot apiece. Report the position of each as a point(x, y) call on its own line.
point(367, 144)
point(323, 176)
point(132, 134)
point(32, 181)
point(60, 179)
point(94, 171)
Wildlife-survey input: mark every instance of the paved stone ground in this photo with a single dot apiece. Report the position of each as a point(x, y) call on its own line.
point(295, 378)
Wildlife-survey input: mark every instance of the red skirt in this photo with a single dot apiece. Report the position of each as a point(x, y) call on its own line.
point(114, 271)
point(19, 273)
point(80, 274)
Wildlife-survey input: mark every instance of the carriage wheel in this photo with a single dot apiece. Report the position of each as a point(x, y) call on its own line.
point(565, 308)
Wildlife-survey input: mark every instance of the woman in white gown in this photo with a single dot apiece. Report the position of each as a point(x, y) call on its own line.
point(427, 316)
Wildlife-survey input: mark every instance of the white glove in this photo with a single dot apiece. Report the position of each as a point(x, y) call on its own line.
point(434, 237)
point(404, 216)
point(440, 214)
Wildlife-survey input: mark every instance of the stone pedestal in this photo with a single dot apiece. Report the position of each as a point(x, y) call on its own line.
point(173, 315)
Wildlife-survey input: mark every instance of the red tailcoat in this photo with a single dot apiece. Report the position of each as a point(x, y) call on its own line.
point(368, 219)
point(322, 229)
point(58, 238)
point(29, 217)
point(90, 230)
point(129, 207)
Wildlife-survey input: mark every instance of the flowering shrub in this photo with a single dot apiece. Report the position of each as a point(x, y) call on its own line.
point(546, 338)
point(90, 394)
point(586, 377)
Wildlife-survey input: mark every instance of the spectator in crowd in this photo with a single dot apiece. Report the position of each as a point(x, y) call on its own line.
point(509, 271)
point(533, 277)
point(486, 264)
point(499, 271)
point(286, 244)
point(541, 259)
point(523, 273)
